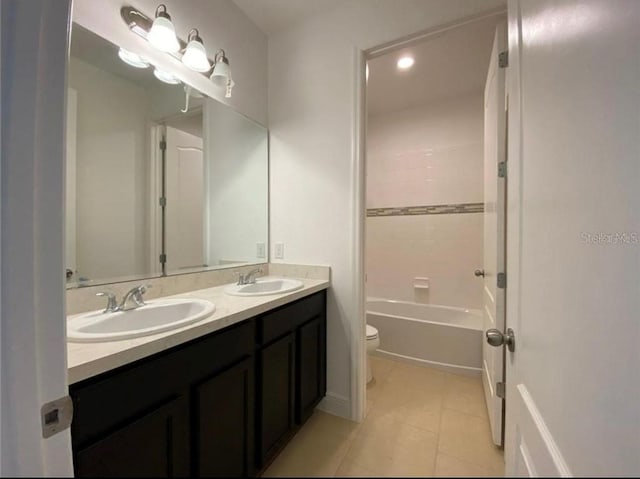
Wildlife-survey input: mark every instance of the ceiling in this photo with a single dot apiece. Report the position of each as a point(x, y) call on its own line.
point(271, 16)
point(451, 64)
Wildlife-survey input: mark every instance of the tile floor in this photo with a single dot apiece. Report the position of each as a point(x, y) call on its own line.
point(420, 422)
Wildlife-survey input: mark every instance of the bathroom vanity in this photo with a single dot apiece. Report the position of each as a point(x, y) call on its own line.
point(220, 404)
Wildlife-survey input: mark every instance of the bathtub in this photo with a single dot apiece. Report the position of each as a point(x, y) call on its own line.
point(444, 337)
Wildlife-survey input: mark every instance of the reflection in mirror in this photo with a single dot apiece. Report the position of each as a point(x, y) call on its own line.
point(160, 179)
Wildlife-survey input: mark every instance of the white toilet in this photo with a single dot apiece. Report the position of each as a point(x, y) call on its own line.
point(373, 343)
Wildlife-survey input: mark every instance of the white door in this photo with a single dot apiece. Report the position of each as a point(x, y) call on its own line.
point(33, 340)
point(494, 231)
point(573, 249)
point(184, 213)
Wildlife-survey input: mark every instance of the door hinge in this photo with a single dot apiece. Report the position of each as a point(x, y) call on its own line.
point(502, 280)
point(502, 169)
point(163, 201)
point(163, 258)
point(503, 59)
point(500, 390)
point(163, 145)
point(56, 416)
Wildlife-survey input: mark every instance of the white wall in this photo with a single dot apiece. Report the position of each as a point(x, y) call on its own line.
point(112, 173)
point(312, 71)
point(427, 155)
point(236, 169)
point(221, 24)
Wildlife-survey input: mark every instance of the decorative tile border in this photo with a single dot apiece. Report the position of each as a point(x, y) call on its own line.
point(427, 210)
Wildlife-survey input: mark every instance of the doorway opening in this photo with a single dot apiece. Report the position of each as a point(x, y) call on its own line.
point(432, 240)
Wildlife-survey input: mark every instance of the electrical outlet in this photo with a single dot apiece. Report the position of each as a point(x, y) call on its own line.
point(279, 250)
point(260, 250)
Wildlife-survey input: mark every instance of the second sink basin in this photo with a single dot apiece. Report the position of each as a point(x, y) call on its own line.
point(264, 286)
point(156, 316)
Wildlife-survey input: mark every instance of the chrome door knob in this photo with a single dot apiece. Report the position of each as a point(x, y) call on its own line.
point(479, 272)
point(496, 338)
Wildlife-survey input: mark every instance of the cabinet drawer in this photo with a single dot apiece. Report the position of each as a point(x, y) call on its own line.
point(287, 318)
point(112, 399)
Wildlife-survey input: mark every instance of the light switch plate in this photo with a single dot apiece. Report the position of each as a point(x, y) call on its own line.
point(279, 250)
point(260, 250)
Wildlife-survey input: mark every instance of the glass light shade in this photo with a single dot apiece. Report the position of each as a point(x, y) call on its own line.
point(165, 77)
point(132, 59)
point(221, 74)
point(195, 57)
point(163, 35)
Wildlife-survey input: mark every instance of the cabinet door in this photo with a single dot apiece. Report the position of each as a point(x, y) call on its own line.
point(224, 422)
point(276, 399)
point(310, 367)
point(154, 445)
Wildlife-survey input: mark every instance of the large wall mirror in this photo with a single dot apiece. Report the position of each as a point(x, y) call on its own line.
point(160, 178)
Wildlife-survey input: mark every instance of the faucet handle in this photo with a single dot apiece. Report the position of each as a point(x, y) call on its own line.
point(240, 278)
point(112, 304)
point(140, 290)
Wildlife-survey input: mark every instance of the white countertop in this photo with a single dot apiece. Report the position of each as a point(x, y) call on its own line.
point(85, 360)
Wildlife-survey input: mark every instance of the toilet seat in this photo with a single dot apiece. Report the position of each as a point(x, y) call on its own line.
point(372, 332)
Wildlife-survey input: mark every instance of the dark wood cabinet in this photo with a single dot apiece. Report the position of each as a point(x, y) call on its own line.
point(153, 445)
point(276, 396)
point(291, 371)
point(224, 423)
point(311, 384)
point(221, 405)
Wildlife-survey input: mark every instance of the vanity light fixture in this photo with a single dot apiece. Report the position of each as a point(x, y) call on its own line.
point(195, 55)
point(165, 76)
point(221, 74)
point(132, 59)
point(163, 34)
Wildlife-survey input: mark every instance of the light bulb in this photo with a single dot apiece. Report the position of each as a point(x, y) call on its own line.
point(221, 74)
point(163, 34)
point(195, 55)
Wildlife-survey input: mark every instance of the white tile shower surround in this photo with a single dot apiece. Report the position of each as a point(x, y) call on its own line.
point(427, 155)
point(445, 248)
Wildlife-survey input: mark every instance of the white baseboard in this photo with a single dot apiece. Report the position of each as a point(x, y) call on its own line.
point(337, 405)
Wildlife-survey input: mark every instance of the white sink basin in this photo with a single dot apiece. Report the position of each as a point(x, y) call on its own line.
point(156, 316)
point(264, 286)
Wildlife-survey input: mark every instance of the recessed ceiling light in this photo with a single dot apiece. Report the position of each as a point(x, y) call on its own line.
point(405, 62)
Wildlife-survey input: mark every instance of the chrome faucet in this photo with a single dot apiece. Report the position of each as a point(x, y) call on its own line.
point(134, 295)
point(248, 278)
